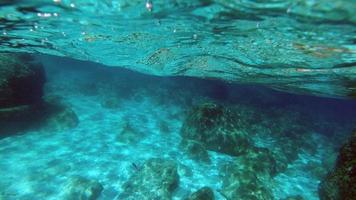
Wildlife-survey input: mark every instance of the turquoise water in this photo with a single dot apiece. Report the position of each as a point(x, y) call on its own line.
point(303, 46)
point(263, 91)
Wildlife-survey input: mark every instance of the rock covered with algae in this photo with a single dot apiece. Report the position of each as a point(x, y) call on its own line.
point(82, 188)
point(217, 128)
point(156, 179)
point(340, 184)
point(248, 176)
point(195, 150)
point(204, 193)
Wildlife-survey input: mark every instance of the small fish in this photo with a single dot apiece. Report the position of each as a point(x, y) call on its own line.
point(135, 167)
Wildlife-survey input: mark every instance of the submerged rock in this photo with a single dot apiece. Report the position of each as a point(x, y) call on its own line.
point(49, 115)
point(284, 152)
point(290, 131)
point(157, 179)
point(196, 150)
point(258, 160)
point(340, 184)
point(22, 105)
point(82, 188)
point(21, 80)
point(21, 90)
point(56, 115)
point(128, 134)
point(249, 175)
point(204, 193)
point(245, 186)
point(65, 118)
point(217, 128)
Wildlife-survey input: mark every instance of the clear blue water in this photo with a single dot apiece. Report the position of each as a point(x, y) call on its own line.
point(116, 64)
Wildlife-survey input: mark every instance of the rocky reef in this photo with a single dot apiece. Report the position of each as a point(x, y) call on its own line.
point(340, 184)
point(156, 179)
point(236, 130)
point(217, 128)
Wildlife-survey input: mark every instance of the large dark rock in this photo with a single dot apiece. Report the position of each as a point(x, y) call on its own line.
point(21, 90)
point(340, 184)
point(217, 128)
point(156, 179)
point(21, 104)
point(21, 80)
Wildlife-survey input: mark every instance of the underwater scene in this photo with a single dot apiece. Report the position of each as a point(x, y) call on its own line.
point(177, 99)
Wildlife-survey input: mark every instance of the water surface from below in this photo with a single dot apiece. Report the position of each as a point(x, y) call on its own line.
point(297, 46)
